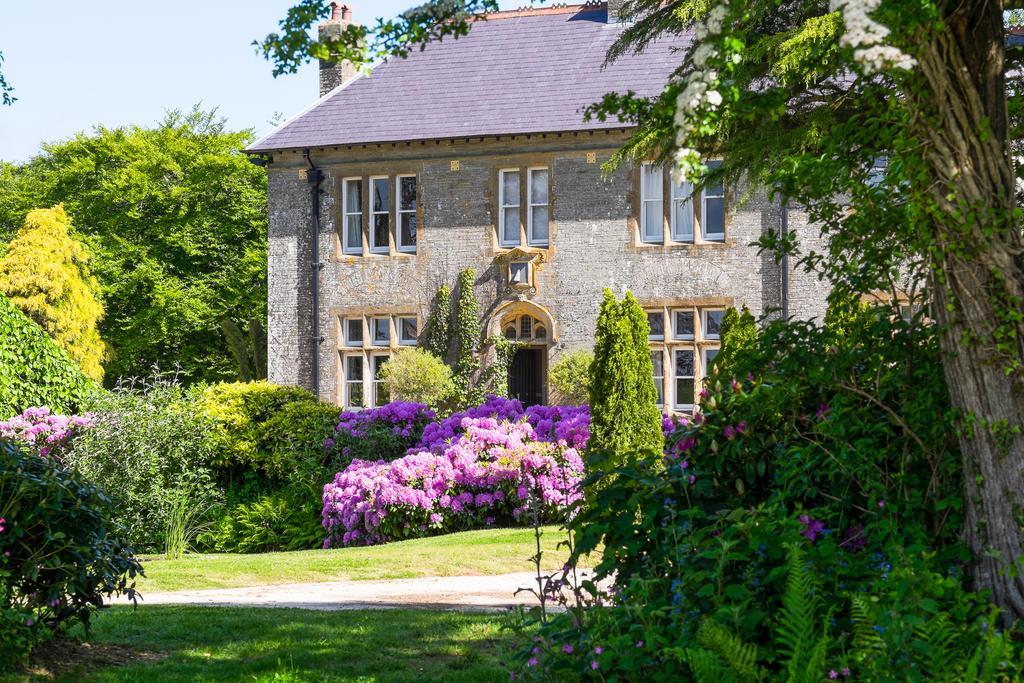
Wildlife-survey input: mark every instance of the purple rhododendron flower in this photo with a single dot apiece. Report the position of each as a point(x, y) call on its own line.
point(43, 432)
point(812, 527)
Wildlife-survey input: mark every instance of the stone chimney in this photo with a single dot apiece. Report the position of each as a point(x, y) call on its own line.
point(614, 9)
point(334, 72)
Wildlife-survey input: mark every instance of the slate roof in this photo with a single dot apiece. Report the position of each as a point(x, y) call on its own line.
point(517, 72)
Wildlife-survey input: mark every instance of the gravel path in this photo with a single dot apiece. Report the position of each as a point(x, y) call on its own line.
point(462, 593)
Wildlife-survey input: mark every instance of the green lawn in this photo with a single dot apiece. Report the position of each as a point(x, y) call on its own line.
point(491, 551)
point(285, 646)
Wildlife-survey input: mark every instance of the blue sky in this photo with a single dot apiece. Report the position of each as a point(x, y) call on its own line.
point(116, 62)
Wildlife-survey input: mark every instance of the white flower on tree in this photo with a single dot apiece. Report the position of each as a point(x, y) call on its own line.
point(866, 36)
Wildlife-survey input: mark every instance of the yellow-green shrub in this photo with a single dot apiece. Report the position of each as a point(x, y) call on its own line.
point(416, 376)
point(45, 273)
point(570, 378)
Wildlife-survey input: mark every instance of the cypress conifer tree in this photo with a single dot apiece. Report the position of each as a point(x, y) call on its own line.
point(45, 273)
point(439, 326)
point(739, 332)
point(625, 419)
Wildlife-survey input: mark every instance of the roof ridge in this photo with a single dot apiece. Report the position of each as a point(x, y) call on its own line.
point(530, 11)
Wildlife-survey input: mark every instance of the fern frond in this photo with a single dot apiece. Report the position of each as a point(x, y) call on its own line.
point(707, 667)
point(865, 637)
point(741, 658)
point(938, 636)
point(796, 631)
point(817, 662)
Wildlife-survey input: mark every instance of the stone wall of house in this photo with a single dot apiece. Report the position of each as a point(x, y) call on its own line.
point(593, 244)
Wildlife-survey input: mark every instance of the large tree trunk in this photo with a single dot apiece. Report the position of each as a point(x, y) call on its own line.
point(978, 268)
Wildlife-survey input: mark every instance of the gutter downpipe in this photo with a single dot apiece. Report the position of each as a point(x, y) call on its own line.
point(784, 285)
point(314, 176)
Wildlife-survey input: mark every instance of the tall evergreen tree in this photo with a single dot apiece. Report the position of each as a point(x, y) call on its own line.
point(739, 332)
point(625, 420)
point(439, 325)
point(45, 273)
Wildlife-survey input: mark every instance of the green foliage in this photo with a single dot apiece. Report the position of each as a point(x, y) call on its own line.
point(5, 88)
point(439, 326)
point(45, 273)
point(267, 428)
point(148, 449)
point(467, 335)
point(278, 521)
point(837, 441)
point(174, 217)
point(61, 553)
point(248, 348)
point(739, 332)
point(625, 419)
point(34, 370)
point(569, 378)
point(417, 376)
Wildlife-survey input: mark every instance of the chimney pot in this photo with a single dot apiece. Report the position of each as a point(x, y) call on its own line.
point(332, 71)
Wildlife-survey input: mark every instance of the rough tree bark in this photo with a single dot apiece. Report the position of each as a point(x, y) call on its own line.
point(978, 267)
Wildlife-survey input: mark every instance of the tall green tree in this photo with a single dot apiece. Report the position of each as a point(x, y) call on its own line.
point(45, 273)
point(175, 218)
point(624, 416)
point(739, 333)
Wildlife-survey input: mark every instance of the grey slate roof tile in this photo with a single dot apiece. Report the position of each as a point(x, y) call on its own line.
point(526, 73)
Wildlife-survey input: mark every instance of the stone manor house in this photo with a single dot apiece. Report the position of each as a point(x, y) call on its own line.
point(475, 153)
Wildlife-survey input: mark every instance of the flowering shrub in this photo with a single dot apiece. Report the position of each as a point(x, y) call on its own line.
point(570, 424)
point(383, 433)
point(42, 432)
point(490, 474)
point(60, 552)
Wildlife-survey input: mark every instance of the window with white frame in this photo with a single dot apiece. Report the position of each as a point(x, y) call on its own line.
point(519, 273)
point(711, 324)
point(685, 373)
point(380, 390)
point(406, 193)
point(683, 327)
point(354, 381)
point(682, 211)
point(656, 323)
point(682, 353)
point(683, 215)
point(712, 212)
point(658, 361)
point(353, 329)
point(380, 215)
point(509, 223)
point(352, 219)
point(371, 339)
point(407, 330)
point(380, 331)
point(537, 201)
point(652, 203)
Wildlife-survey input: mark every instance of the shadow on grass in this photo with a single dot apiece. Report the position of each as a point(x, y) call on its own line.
point(254, 644)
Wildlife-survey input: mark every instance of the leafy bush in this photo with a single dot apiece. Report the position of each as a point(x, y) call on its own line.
point(45, 273)
point(43, 433)
point(247, 430)
point(570, 378)
point(414, 375)
point(148, 447)
point(835, 443)
point(493, 473)
point(34, 370)
point(384, 433)
point(60, 551)
point(276, 521)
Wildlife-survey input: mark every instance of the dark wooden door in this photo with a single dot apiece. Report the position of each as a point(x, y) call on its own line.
point(525, 379)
